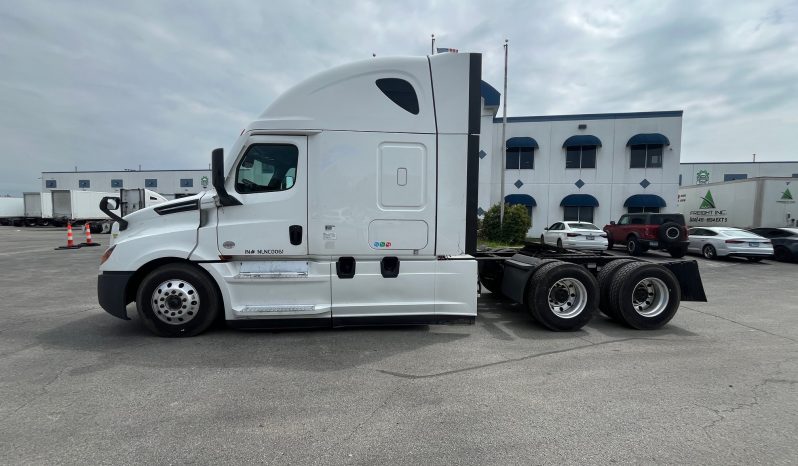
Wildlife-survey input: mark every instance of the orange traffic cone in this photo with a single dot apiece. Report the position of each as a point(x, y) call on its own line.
point(70, 239)
point(87, 228)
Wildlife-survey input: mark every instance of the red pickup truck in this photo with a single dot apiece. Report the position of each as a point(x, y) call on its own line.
point(644, 231)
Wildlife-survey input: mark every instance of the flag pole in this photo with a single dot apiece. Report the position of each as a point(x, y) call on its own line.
point(504, 139)
point(432, 48)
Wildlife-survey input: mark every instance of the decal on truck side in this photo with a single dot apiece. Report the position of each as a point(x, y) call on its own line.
point(270, 252)
point(707, 212)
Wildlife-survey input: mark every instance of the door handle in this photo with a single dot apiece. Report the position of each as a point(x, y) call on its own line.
point(295, 234)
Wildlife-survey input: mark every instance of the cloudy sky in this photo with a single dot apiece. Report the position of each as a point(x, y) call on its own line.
point(113, 85)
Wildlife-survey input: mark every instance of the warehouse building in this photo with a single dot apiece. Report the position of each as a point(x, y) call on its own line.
point(713, 172)
point(171, 184)
point(590, 167)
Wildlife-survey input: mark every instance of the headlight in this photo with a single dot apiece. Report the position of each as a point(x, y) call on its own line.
point(107, 254)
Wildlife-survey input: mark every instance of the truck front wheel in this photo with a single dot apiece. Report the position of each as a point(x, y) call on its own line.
point(562, 296)
point(644, 296)
point(177, 300)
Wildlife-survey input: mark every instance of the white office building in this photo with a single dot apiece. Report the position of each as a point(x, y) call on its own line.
point(592, 167)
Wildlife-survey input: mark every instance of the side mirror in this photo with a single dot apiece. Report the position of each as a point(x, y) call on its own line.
point(546, 228)
point(217, 174)
point(107, 205)
point(612, 222)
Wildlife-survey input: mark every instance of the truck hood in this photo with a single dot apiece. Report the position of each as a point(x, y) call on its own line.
point(177, 214)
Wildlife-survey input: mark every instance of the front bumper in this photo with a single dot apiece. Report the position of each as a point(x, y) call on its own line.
point(112, 292)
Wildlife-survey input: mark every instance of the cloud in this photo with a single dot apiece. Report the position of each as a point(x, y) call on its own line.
point(108, 85)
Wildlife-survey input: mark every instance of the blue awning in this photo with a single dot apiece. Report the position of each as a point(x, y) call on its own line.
point(644, 200)
point(514, 143)
point(582, 140)
point(649, 138)
point(579, 200)
point(490, 94)
point(523, 199)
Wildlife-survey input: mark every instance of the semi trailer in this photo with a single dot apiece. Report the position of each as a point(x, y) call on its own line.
point(135, 199)
point(747, 203)
point(352, 200)
point(80, 207)
point(38, 209)
point(12, 211)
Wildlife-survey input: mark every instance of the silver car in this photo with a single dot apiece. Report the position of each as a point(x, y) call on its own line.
point(712, 242)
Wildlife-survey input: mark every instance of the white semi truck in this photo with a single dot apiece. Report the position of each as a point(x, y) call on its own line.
point(352, 201)
point(38, 208)
point(750, 203)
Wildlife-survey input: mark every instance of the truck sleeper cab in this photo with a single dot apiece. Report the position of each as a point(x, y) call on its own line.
point(325, 212)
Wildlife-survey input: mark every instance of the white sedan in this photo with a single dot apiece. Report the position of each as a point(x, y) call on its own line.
point(712, 242)
point(575, 235)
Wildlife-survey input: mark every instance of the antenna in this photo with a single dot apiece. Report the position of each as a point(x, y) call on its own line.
point(504, 139)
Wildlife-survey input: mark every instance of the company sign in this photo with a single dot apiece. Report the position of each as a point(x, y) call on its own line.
point(702, 177)
point(786, 197)
point(708, 212)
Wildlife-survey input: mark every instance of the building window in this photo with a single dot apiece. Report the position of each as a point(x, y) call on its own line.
point(646, 156)
point(50, 184)
point(641, 210)
point(520, 158)
point(580, 157)
point(84, 184)
point(151, 183)
point(116, 183)
point(186, 182)
point(578, 214)
point(734, 176)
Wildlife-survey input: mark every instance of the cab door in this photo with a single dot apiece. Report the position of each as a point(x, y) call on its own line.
point(270, 179)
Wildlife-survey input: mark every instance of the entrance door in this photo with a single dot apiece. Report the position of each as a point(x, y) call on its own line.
point(271, 180)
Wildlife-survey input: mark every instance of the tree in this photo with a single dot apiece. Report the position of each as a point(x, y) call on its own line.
point(516, 224)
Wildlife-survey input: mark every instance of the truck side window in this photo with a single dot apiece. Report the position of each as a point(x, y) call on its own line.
point(267, 168)
point(624, 220)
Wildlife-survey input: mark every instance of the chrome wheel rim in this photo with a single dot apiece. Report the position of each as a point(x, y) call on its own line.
point(567, 298)
point(650, 297)
point(709, 253)
point(175, 302)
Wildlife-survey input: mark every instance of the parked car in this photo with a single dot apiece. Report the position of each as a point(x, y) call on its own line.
point(712, 242)
point(574, 235)
point(785, 242)
point(643, 231)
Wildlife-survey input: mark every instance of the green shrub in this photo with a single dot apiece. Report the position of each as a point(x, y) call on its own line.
point(516, 224)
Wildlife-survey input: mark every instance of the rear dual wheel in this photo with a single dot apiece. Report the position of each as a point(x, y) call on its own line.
point(562, 296)
point(642, 295)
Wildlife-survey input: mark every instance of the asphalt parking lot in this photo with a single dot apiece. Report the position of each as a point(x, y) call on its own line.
point(718, 385)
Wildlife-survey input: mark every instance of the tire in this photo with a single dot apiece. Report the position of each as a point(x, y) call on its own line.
point(571, 285)
point(754, 259)
point(633, 247)
point(632, 288)
point(709, 252)
point(605, 276)
point(542, 240)
point(669, 232)
point(559, 244)
point(782, 254)
point(677, 252)
point(183, 320)
point(610, 244)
